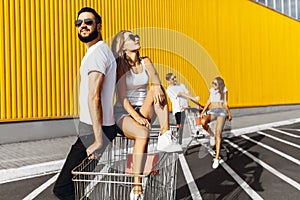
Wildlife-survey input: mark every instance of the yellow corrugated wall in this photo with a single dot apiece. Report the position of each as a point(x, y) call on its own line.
point(253, 48)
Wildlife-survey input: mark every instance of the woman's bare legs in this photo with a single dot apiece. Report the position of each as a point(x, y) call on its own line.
point(140, 135)
point(204, 122)
point(161, 111)
point(219, 128)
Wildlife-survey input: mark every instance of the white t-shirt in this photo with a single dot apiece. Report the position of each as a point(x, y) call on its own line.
point(137, 86)
point(98, 58)
point(178, 103)
point(215, 96)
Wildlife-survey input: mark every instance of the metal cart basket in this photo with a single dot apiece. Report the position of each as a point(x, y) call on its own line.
point(110, 177)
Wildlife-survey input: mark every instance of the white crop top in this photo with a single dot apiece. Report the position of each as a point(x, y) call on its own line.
point(215, 96)
point(137, 86)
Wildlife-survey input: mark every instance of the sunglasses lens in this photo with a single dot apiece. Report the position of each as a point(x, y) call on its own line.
point(133, 37)
point(78, 22)
point(88, 21)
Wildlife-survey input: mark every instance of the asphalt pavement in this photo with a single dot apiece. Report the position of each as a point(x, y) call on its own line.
point(24, 159)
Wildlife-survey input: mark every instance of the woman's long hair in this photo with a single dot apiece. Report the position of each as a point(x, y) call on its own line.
point(221, 86)
point(122, 60)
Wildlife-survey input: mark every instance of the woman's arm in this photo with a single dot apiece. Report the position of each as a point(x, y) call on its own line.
point(154, 77)
point(195, 99)
point(205, 107)
point(226, 105)
point(159, 95)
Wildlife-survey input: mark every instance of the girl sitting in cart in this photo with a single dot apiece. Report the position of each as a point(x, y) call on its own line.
point(136, 103)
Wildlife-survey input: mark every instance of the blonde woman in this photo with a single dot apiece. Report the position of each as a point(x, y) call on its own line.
point(136, 104)
point(218, 111)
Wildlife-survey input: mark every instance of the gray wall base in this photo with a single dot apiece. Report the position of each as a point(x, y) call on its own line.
point(37, 130)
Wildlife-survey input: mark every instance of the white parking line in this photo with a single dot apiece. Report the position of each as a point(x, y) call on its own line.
point(279, 140)
point(266, 166)
point(290, 129)
point(290, 158)
point(285, 133)
point(189, 178)
point(241, 182)
point(40, 189)
point(244, 185)
point(251, 129)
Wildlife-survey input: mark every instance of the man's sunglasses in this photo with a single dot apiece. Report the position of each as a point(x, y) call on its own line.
point(87, 21)
point(173, 78)
point(133, 37)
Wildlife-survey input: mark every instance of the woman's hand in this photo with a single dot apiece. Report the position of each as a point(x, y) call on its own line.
point(201, 115)
point(142, 121)
point(229, 117)
point(158, 94)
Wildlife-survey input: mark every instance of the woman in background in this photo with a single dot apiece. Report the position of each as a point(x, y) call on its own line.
point(219, 110)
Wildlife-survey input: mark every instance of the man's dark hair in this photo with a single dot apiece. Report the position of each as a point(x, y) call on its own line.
point(168, 76)
point(91, 10)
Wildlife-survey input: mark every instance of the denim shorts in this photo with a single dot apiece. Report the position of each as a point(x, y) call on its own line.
point(120, 112)
point(216, 112)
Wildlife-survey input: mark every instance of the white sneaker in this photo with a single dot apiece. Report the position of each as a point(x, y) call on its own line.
point(215, 164)
point(165, 143)
point(136, 196)
point(212, 141)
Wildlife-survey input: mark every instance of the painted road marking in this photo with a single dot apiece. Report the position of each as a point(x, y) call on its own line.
point(244, 185)
point(241, 182)
point(266, 166)
point(251, 129)
point(290, 158)
point(40, 189)
point(279, 140)
point(290, 129)
point(189, 178)
point(285, 133)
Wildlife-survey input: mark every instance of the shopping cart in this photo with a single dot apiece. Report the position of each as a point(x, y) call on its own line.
point(110, 178)
point(197, 133)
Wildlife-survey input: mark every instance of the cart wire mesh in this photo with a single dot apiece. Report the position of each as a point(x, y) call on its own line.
point(110, 177)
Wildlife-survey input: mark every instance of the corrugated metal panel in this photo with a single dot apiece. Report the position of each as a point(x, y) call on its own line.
point(253, 48)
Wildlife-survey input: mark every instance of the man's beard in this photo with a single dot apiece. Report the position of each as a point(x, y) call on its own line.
point(93, 35)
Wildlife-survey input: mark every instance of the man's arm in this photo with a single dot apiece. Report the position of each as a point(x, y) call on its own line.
point(193, 99)
point(96, 80)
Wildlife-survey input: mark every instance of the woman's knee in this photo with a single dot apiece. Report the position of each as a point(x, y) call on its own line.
point(142, 135)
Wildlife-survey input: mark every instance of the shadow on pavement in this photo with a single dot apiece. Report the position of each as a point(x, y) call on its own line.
point(218, 184)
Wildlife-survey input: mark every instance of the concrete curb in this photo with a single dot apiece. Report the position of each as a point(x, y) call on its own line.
point(250, 129)
point(30, 171)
